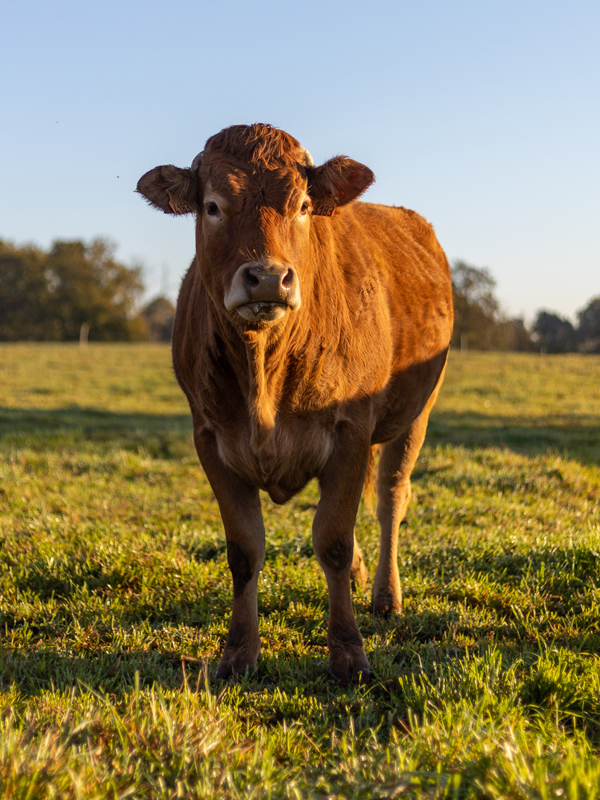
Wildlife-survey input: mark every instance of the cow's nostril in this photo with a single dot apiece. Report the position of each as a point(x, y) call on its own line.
point(250, 278)
point(288, 279)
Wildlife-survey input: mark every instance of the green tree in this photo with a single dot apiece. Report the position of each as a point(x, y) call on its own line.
point(49, 296)
point(478, 320)
point(476, 310)
point(553, 334)
point(89, 287)
point(23, 293)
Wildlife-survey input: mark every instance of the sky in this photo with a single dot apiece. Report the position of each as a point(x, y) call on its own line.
point(482, 116)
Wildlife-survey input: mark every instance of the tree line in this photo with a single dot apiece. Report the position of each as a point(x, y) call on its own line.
point(480, 324)
point(75, 290)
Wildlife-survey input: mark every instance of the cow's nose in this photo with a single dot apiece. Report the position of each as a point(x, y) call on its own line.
point(268, 282)
point(275, 283)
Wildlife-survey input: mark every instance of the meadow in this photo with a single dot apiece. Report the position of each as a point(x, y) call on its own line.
point(115, 597)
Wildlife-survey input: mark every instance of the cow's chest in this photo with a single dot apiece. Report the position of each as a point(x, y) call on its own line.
point(282, 460)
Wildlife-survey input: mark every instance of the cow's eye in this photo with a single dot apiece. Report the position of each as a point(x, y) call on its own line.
point(304, 208)
point(212, 209)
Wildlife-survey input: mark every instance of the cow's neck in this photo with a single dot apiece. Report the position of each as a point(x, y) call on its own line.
point(260, 361)
point(266, 364)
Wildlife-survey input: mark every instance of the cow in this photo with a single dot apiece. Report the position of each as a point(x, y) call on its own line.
point(310, 328)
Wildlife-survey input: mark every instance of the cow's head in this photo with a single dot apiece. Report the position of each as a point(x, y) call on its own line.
point(255, 192)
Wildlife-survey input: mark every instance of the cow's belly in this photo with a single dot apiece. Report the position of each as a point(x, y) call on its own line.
point(288, 457)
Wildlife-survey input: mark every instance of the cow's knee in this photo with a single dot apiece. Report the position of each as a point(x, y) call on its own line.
point(245, 560)
point(242, 564)
point(334, 555)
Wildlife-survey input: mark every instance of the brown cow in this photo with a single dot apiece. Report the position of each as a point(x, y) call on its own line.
point(308, 329)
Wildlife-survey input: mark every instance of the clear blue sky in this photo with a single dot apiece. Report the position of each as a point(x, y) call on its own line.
point(483, 116)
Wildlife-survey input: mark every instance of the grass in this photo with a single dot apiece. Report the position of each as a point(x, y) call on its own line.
point(115, 598)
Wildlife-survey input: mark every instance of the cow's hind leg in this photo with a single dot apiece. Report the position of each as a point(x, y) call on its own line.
point(396, 461)
point(359, 574)
point(239, 504)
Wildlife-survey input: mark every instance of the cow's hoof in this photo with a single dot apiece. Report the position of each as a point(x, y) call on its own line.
point(386, 605)
point(232, 664)
point(362, 677)
point(350, 668)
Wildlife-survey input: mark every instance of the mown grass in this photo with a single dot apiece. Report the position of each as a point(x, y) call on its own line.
point(115, 597)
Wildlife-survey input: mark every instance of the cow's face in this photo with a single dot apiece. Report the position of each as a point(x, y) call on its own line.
point(254, 209)
point(255, 225)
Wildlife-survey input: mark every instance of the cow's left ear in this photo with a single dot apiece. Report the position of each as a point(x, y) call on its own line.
point(337, 182)
point(172, 189)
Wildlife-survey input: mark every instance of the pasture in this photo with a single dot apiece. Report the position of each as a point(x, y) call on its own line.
point(115, 595)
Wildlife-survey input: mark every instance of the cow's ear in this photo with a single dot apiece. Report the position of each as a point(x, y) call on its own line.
point(337, 182)
point(173, 190)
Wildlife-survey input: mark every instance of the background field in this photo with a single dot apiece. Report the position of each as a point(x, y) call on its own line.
point(115, 596)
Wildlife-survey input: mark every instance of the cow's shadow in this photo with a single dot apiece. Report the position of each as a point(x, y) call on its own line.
point(86, 420)
point(111, 670)
point(575, 438)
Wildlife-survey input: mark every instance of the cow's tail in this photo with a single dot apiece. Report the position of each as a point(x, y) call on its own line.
point(369, 486)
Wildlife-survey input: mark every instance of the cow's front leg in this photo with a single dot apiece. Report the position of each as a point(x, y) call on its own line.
point(239, 503)
point(333, 541)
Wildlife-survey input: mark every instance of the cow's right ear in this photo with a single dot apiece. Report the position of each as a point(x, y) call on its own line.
point(172, 189)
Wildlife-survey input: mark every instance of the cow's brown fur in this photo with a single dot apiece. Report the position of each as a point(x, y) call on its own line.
point(276, 403)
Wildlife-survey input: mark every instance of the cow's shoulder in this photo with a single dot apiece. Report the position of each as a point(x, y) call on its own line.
point(401, 221)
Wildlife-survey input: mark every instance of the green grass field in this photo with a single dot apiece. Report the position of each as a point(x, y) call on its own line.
point(115, 598)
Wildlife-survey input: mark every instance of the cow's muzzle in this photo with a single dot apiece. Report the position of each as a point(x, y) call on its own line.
point(263, 291)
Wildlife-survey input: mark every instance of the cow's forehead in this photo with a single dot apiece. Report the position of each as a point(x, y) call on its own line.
point(274, 187)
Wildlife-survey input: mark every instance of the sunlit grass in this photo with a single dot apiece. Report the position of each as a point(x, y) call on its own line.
point(115, 598)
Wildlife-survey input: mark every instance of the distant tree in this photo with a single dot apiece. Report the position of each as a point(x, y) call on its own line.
point(588, 330)
point(49, 296)
point(476, 310)
point(553, 333)
point(23, 293)
point(88, 286)
point(159, 315)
